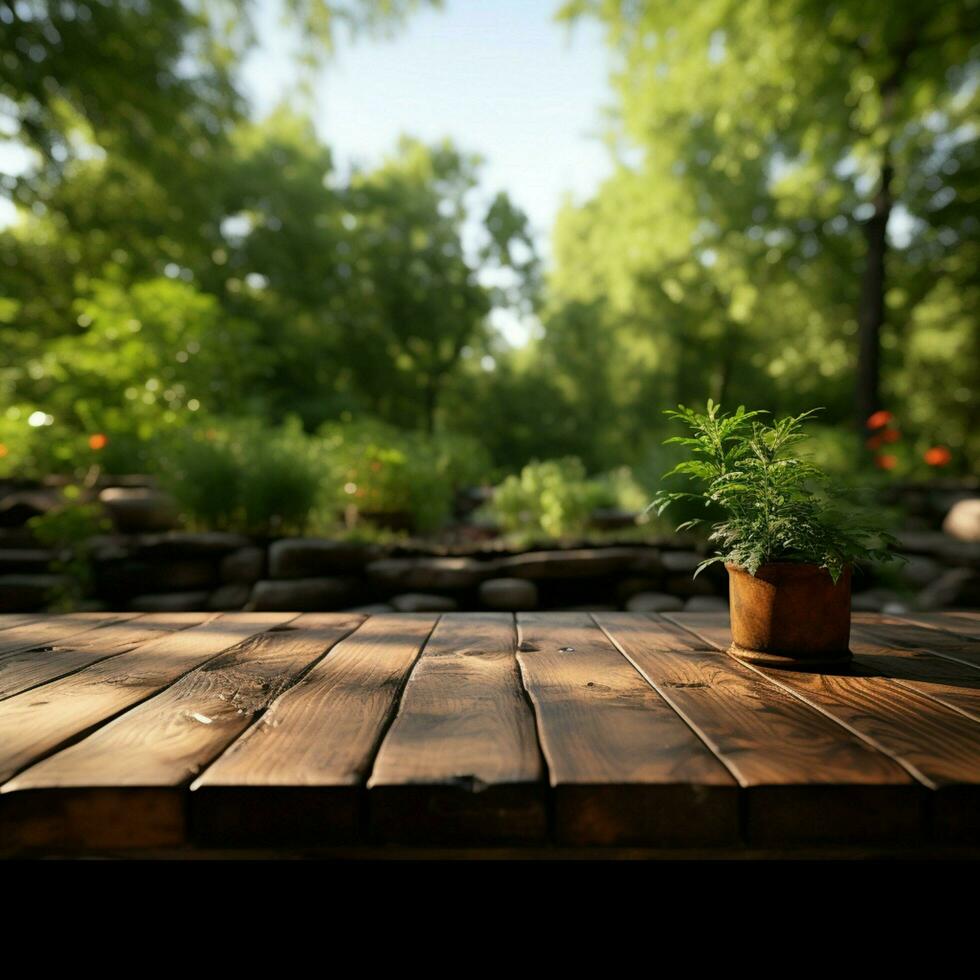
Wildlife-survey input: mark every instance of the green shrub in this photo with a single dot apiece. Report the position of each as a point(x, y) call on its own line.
point(245, 476)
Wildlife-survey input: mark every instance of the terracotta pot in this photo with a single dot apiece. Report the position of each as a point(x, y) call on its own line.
point(789, 614)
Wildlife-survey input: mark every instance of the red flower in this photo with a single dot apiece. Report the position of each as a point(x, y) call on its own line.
point(3, 450)
point(97, 441)
point(879, 419)
point(937, 456)
point(874, 442)
point(886, 462)
point(891, 435)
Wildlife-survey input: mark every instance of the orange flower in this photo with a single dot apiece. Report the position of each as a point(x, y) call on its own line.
point(886, 462)
point(879, 419)
point(937, 456)
point(874, 442)
point(891, 435)
point(97, 441)
point(3, 450)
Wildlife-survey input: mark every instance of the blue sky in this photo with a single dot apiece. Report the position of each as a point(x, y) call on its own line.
point(500, 77)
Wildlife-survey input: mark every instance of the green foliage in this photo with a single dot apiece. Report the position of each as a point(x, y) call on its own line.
point(778, 506)
point(68, 530)
point(245, 476)
point(378, 469)
point(557, 498)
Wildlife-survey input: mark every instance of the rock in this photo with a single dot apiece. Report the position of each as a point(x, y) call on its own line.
point(228, 597)
point(28, 560)
point(189, 544)
point(648, 562)
point(109, 547)
point(681, 562)
point(921, 542)
point(961, 553)
point(302, 594)
point(412, 602)
point(573, 563)
point(16, 509)
point(654, 602)
point(588, 607)
point(243, 565)
point(873, 600)
point(372, 608)
point(511, 594)
point(307, 557)
point(687, 585)
point(963, 520)
point(955, 587)
point(25, 593)
point(422, 574)
point(919, 570)
point(612, 519)
point(705, 603)
point(630, 587)
point(895, 608)
point(128, 577)
point(170, 602)
point(139, 508)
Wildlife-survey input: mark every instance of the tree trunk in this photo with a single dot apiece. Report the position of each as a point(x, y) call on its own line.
point(871, 314)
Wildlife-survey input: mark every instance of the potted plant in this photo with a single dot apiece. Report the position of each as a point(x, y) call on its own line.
point(785, 535)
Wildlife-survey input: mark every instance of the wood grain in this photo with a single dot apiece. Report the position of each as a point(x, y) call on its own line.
point(624, 768)
point(937, 745)
point(964, 622)
point(888, 630)
point(460, 762)
point(804, 778)
point(298, 775)
point(10, 620)
point(55, 629)
point(37, 722)
point(950, 682)
point(31, 668)
point(159, 746)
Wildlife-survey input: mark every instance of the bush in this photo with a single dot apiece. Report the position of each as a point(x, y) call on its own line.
point(245, 476)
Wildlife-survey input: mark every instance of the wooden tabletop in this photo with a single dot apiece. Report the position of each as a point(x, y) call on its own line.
point(535, 734)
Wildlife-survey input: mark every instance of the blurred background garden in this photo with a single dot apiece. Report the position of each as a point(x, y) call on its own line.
point(417, 281)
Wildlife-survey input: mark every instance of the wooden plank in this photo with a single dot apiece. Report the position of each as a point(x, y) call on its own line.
point(37, 722)
point(804, 778)
point(82, 796)
point(937, 745)
point(950, 682)
point(460, 763)
point(31, 668)
point(298, 775)
point(962, 621)
point(925, 639)
point(55, 629)
point(623, 766)
point(10, 620)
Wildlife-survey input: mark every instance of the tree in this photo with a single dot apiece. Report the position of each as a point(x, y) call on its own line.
point(765, 151)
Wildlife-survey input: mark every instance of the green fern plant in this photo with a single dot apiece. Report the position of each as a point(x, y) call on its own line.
point(778, 505)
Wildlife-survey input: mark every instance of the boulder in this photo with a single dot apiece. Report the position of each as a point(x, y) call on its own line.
point(955, 587)
point(648, 562)
point(25, 593)
point(16, 509)
point(705, 603)
point(170, 602)
point(372, 608)
point(963, 520)
point(687, 585)
point(235, 595)
point(681, 562)
point(294, 558)
point(303, 594)
point(654, 602)
point(921, 542)
point(158, 576)
point(424, 574)
point(189, 544)
point(573, 563)
point(28, 560)
point(243, 565)
point(135, 509)
point(919, 570)
point(630, 587)
point(412, 602)
point(512, 594)
point(873, 600)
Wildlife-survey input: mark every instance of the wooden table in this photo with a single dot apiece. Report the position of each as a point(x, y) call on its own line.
point(544, 734)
